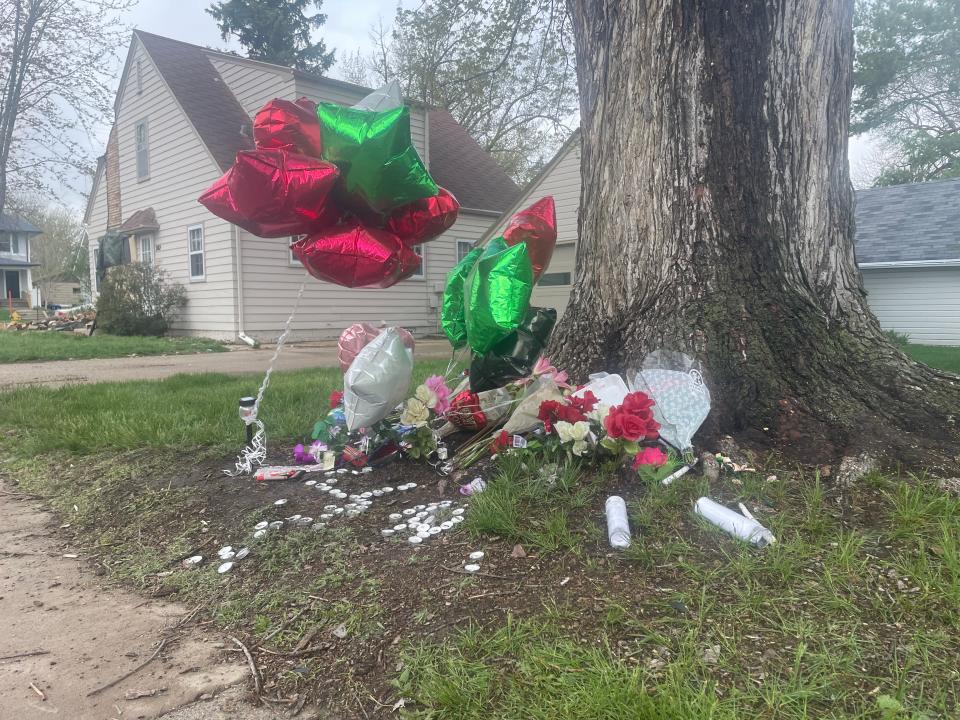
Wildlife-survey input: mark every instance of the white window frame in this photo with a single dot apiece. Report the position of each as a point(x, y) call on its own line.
point(7, 239)
point(469, 248)
point(292, 259)
point(145, 149)
point(421, 250)
point(153, 248)
point(202, 252)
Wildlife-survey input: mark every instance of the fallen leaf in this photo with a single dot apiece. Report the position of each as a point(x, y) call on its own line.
point(518, 551)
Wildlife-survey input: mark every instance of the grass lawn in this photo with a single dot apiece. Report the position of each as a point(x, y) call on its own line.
point(853, 613)
point(942, 357)
point(26, 346)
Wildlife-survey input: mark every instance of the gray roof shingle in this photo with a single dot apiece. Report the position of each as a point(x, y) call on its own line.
point(907, 223)
point(15, 223)
point(214, 111)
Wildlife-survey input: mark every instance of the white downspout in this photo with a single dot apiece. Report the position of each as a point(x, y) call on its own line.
point(239, 255)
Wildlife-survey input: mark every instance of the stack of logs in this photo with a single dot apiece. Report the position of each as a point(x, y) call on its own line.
point(81, 323)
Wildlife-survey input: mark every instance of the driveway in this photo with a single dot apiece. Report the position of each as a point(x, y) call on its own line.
point(237, 361)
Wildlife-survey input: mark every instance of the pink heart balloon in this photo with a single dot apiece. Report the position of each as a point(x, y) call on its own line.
point(355, 338)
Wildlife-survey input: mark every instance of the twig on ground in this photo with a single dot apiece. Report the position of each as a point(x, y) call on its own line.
point(139, 667)
point(282, 625)
point(301, 701)
point(252, 663)
point(38, 691)
point(26, 654)
point(188, 617)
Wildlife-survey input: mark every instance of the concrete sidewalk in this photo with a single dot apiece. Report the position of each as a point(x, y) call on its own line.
point(238, 361)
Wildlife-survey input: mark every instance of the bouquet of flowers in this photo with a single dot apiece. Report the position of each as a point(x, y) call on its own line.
point(430, 401)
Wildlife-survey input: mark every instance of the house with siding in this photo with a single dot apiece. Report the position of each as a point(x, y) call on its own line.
point(907, 248)
point(182, 112)
point(16, 261)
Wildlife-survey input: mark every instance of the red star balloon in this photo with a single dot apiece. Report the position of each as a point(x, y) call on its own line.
point(290, 126)
point(424, 219)
point(354, 255)
point(537, 227)
point(273, 193)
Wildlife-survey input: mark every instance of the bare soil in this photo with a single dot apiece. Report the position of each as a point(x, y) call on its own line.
point(65, 636)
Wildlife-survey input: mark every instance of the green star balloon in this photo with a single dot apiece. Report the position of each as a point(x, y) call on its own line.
point(452, 318)
point(514, 357)
point(497, 294)
point(378, 163)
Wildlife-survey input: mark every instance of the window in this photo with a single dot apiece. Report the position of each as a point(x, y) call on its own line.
point(143, 159)
point(555, 279)
point(75, 290)
point(418, 249)
point(293, 259)
point(6, 242)
point(195, 249)
point(145, 249)
point(463, 247)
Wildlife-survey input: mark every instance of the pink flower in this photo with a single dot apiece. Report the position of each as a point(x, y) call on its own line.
point(439, 388)
point(543, 366)
point(649, 456)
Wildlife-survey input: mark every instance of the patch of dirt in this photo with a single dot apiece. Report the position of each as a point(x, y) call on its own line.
point(64, 637)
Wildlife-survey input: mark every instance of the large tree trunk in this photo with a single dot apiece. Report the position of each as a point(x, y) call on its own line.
point(716, 218)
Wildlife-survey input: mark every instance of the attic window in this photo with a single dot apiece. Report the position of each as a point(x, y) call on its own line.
point(139, 77)
point(143, 158)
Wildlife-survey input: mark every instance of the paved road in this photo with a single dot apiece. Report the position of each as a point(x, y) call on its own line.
point(238, 361)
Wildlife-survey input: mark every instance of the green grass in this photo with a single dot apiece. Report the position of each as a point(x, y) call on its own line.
point(832, 621)
point(26, 346)
point(183, 411)
point(942, 357)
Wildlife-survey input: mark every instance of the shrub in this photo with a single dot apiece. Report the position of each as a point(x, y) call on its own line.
point(901, 340)
point(138, 299)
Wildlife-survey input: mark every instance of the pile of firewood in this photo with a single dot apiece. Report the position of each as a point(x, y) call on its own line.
point(81, 322)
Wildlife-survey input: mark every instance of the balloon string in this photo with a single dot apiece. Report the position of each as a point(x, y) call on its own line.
point(255, 454)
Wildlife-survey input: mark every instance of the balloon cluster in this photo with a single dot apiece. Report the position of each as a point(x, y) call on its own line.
point(486, 302)
point(348, 180)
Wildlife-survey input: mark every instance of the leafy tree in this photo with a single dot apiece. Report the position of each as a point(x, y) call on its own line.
point(60, 250)
point(55, 88)
point(275, 31)
point(503, 68)
point(907, 86)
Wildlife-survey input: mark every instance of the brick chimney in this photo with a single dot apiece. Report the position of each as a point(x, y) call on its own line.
point(112, 171)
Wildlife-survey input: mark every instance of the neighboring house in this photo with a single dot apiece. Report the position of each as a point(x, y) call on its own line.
point(16, 276)
point(62, 289)
point(181, 114)
point(907, 247)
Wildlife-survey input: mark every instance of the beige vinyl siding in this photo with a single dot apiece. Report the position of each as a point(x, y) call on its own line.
point(180, 169)
point(270, 286)
point(61, 293)
point(253, 83)
point(562, 180)
point(922, 302)
point(96, 225)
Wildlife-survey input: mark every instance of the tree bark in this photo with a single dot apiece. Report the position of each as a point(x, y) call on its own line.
point(716, 218)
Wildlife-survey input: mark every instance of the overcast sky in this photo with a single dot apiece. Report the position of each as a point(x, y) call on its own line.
point(347, 29)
